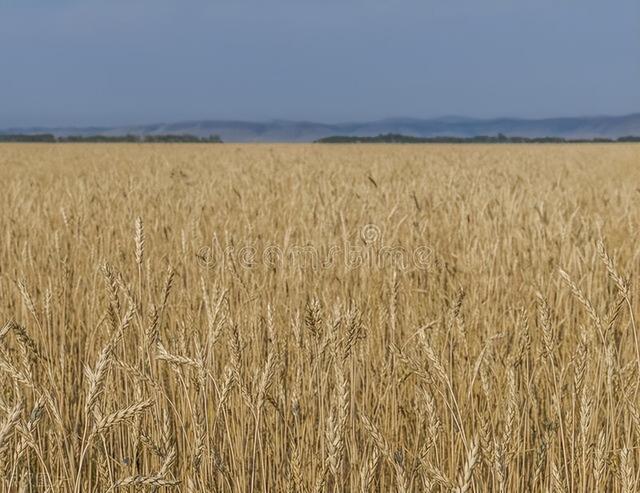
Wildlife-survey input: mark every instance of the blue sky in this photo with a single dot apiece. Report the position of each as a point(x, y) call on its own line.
point(103, 62)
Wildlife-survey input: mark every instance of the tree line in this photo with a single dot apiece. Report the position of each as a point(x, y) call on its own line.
point(481, 139)
point(50, 138)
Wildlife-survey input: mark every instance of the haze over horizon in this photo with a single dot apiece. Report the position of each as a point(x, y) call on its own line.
point(136, 124)
point(73, 63)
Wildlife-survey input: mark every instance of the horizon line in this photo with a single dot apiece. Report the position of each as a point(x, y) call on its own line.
point(317, 122)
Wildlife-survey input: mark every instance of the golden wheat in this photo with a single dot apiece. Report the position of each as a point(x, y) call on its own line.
point(319, 318)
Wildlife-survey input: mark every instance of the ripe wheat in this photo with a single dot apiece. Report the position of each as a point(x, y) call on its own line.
point(319, 318)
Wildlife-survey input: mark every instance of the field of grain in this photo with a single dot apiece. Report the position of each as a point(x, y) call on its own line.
point(319, 318)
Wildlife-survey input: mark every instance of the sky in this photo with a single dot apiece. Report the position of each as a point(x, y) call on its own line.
point(113, 62)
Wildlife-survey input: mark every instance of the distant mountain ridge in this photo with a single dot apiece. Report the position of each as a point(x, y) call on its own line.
point(610, 127)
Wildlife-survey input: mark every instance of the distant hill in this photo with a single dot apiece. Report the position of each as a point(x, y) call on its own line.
point(606, 127)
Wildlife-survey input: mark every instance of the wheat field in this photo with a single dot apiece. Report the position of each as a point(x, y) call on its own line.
point(311, 318)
